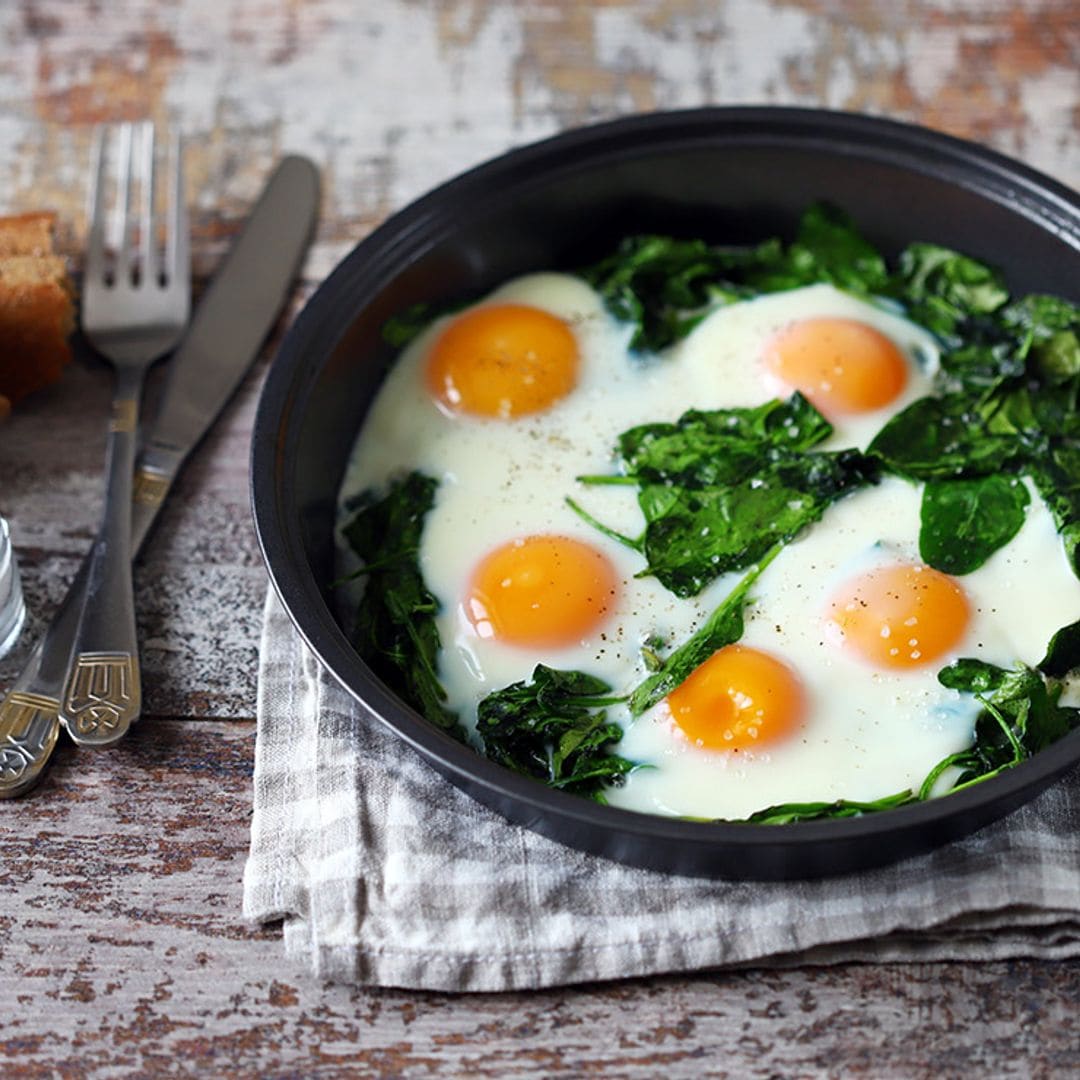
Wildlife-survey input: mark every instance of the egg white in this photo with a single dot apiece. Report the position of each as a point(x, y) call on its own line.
point(868, 734)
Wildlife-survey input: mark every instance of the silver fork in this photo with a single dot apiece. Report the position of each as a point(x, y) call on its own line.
point(135, 305)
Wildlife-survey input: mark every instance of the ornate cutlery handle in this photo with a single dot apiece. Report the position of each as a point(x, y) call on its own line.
point(102, 696)
point(40, 684)
point(29, 726)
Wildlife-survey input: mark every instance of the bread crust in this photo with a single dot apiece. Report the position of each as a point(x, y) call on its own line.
point(36, 310)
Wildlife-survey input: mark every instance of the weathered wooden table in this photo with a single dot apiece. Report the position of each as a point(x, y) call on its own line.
point(122, 949)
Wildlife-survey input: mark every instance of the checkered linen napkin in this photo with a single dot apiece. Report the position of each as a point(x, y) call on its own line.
point(386, 874)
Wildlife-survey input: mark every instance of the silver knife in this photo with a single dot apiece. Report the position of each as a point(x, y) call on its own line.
point(231, 322)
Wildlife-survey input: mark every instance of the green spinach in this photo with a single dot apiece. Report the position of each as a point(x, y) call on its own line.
point(719, 489)
point(789, 813)
point(942, 289)
point(395, 629)
point(555, 728)
point(1022, 716)
point(665, 286)
point(963, 522)
point(1006, 407)
point(940, 438)
point(827, 247)
point(1063, 652)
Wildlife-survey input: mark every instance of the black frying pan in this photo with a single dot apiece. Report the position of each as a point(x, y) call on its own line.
point(727, 175)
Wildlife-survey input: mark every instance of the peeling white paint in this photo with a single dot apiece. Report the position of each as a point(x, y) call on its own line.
point(931, 60)
point(391, 97)
point(1050, 103)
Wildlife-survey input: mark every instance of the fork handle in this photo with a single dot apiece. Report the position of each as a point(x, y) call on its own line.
point(102, 696)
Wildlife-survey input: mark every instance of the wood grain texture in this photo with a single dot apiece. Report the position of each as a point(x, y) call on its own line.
point(391, 97)
point(121, 947)
point(200, 582)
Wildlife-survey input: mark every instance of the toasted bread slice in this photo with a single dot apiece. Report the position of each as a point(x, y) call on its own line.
point(36, 311)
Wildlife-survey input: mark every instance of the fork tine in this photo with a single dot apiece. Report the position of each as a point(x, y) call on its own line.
point(147, 232)
point(177, 260)
point(120, 223)
point(95, 209)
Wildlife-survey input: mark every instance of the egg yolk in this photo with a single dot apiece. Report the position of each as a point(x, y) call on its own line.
point(541, 590)
point(901, 616)
point(503, 360)
point(841, 365)
point(738, 699)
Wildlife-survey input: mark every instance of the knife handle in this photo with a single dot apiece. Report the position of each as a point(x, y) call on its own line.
point(102, 696)
point(29, 728)
point(30, 712)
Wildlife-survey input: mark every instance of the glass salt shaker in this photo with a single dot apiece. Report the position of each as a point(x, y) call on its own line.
point(12, 608)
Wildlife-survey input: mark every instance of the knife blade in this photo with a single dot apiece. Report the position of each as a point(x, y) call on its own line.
point(238, 310)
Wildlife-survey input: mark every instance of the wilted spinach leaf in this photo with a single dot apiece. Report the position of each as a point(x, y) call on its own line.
point(1041, 314)
point(963, 522)
point(828, 247)
point(1063, 652)
point(664, 286)
point(395, 630)
point(942, 289)
point(788, 813)
point(972, 676)
point(718, 489)
point(706, 448)
point(937, 438)
point(1057, 478)
point(693, 535)
point(554, 728)
point(1022, 716)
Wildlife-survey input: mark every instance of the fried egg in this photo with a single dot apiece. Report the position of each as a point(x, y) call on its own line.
point(509, 401)
point(857, 362)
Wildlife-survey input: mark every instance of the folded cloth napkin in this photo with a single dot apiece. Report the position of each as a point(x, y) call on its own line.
point(386, 874)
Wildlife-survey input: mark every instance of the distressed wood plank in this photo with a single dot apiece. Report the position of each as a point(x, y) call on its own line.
point(393, 96)
point(200, 582)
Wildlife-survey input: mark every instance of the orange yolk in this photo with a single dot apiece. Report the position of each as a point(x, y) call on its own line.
point(503, 360)
point(738, 699)
point(841, 365)
point(901, 616)
point(541, 590)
